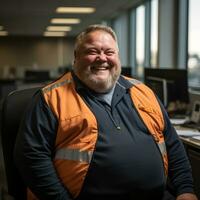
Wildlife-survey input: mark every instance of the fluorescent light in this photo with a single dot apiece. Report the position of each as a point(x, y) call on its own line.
point(59, 28)
point(54, 34)
point(3, 33)
point(65, 21)
point(75, 10)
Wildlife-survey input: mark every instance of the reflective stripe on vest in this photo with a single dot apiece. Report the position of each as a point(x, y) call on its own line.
point(162, 148)
point(47, 89)
point(74, 154)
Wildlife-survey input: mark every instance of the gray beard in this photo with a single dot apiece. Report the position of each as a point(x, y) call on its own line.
point(101, 86)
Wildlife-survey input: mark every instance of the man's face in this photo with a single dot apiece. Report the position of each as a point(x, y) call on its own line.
point(97, 61)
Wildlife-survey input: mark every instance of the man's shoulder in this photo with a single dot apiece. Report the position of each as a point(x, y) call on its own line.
point(60, 82)
point(129, 81)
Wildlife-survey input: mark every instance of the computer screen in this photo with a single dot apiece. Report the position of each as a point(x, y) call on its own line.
point(37, 75)
point(126, 71)
point(159, 86)
point(174, 91)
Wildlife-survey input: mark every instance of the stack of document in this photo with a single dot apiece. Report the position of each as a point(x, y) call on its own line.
point(189, 133)
point(179, 121)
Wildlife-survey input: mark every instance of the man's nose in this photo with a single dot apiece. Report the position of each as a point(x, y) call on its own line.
point(102, 57)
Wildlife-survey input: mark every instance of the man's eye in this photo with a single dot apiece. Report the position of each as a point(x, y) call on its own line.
point(110, 53)
point(91, 52)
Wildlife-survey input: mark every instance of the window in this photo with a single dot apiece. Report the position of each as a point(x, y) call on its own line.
point(154, 33)
point(194, 43)
point(140, 39)
point(132, 45)
point(120, 25)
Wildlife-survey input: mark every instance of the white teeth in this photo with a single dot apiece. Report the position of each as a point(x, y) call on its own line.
point(99, 68)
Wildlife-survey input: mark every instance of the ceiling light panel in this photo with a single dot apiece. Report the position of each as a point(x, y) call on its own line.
point(75, 10)
point(65, 21)
point(3, 33)
point(54, 34)
point(59, 28)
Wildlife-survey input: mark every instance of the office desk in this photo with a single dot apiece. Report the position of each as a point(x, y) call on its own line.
point(192, 148)
point(188, 136)
point(191, 143)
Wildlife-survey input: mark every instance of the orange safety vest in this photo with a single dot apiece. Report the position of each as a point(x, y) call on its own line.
point(77, 130)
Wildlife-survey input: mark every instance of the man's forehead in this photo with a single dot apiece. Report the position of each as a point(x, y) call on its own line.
point(97, 34)
point(98, 38)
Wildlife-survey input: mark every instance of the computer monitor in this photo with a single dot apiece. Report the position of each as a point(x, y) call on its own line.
point(126, 71)
point(171, 86)
point(37, 75)
point(159, 86)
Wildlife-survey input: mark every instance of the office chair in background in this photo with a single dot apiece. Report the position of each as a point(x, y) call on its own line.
point(13, 107)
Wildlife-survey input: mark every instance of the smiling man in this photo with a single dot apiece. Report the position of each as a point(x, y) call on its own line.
point(94, 134)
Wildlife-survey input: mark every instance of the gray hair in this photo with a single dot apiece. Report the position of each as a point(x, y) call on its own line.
point(92, 28)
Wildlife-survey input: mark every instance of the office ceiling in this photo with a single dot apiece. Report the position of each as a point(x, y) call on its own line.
point(31, 17)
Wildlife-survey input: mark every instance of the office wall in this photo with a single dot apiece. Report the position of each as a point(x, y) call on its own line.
point(41, 53)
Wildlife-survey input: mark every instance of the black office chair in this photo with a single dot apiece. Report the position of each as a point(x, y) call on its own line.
point(13, 107)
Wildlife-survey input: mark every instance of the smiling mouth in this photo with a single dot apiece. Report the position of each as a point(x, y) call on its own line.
point(99, 68)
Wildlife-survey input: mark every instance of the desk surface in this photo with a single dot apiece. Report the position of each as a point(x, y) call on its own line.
point(189, 136)
point(191, 142)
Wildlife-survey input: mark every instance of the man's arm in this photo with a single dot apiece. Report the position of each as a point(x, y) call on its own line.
point(34, 151)
point(179, 171)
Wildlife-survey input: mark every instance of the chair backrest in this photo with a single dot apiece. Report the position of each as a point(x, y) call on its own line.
point(12, 110)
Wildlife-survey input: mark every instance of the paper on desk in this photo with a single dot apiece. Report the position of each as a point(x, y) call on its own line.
point(196, 138)
point(178, 121)
point(188, 133)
